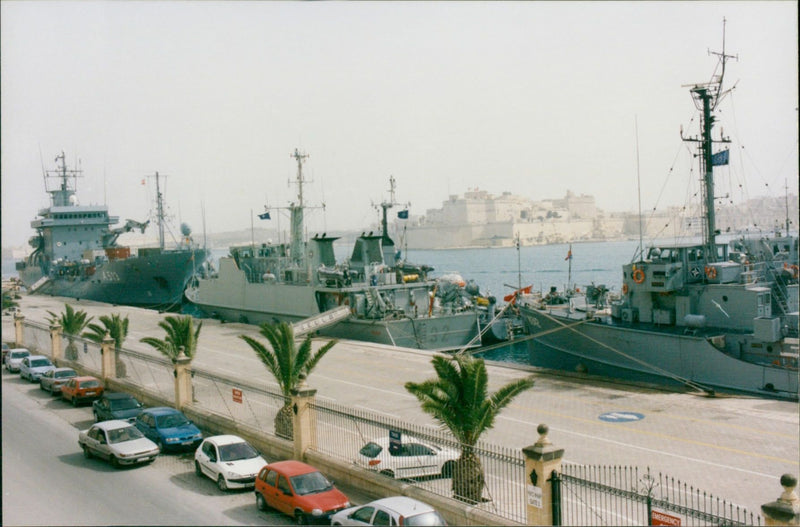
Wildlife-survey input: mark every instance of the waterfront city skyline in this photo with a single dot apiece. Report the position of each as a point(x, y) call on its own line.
point(532, 98)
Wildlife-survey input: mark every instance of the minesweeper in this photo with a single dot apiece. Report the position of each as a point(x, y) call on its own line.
point(373, 296)
point(75, 252)
point(712, 316)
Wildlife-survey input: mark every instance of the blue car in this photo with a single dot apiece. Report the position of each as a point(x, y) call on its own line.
point(169, 429)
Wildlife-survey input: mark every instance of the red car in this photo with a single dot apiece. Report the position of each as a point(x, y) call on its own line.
point(299, 490)
point(80, 389)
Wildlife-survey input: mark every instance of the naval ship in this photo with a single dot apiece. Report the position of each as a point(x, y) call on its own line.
point(710, 316)
point(75, 252)
point(373, 296)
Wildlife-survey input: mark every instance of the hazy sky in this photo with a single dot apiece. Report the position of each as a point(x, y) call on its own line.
point(532, 98)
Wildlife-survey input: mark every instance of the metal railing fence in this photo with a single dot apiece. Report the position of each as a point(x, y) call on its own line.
point(343, 431)
point(84, 352)
point(618, 495)
point(36, 337)
point(153, 374)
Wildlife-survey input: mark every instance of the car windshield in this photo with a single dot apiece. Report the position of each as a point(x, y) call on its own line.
point(426, 518)
point(90, 384)
point(65, 374)
point(172, 421)
point(124, 404)
point(40, 362)
point(120, 435)
point(310, 483)
point(236, 452)
point(370, 450)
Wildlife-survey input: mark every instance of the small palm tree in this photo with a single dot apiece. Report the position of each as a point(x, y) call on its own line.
point(117, 328)
point(460, 401)
point(72, 322)
point(287, 363)
point(181, 333)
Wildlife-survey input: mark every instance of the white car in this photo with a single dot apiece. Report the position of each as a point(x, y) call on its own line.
point(14, 359)
point(397, 510)
point(34, 366)
point(119, 442)
point(229, 460)
point(408, 458)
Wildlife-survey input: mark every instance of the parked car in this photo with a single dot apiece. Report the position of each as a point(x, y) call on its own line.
point(54, 380)
point(412, 458)
point(34, 366)
point(397, 510)
point(299, 490)
point(116, 405)
point(80, 389)
point(168, 428)
point(119, 442)
point(14, 359)
point(229, 460)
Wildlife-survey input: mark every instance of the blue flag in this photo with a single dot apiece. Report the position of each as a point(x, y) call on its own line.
point(403, 214)
point(264, 216)
point(720, 158)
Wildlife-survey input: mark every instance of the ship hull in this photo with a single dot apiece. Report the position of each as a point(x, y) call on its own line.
point(230, 297)
point(156, 281)
point(649, 355)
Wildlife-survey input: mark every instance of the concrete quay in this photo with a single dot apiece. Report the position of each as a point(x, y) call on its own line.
point(735, 448)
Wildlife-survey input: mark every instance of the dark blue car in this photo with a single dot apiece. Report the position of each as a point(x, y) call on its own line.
point(169, 429)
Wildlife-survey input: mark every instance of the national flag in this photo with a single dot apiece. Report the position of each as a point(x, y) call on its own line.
point(403, 214)
point(720, 158)
point(569, 255)
point(264, 216)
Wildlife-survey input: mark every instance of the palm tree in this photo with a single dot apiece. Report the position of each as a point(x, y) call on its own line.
point(287, 363)
point(460, 401)
point(181, 333)
point(72, 322)
point(117, 328)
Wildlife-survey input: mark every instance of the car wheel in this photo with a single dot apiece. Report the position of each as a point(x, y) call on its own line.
point(86, 453)
point(300, 518)
point(75, 402)
point(160, 444)
point(41, 386)
point(221, 483)
point(447, 469)
point(389, 473)
point(114, 461)
point(197, 470)
point(261, 503)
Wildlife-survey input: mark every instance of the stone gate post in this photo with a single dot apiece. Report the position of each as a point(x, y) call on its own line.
point(183, 380)
point(304, 422)
point(55, 343)
point(786, 509)
point(18, 320)
point(541, 460)
point(108, 352)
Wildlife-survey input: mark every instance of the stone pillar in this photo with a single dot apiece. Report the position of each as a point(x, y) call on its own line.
point(108, 352)
point(786, 509)
point(183, 380)
point(541, 460)
point(304, 422)
point(55, 343)
point(18, 320)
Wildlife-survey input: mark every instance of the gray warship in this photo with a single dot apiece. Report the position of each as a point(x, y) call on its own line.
point(712, 316)
point(76, 252)
point(373, 296)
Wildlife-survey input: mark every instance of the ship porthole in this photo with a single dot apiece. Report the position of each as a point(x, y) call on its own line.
point(724, 298)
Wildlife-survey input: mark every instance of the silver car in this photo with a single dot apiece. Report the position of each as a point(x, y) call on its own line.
point(14, 359)
point(33, 367)
point(119, 442)
point(396, 510)
point(53, 380)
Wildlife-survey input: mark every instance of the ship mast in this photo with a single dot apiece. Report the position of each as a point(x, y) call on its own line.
point(296, 210)
point(706, 97)
point(160, 212)
point(61, 195)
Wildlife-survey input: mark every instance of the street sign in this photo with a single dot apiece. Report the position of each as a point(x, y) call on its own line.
point(237, 395)
point(662, 518)
point(534, 496)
